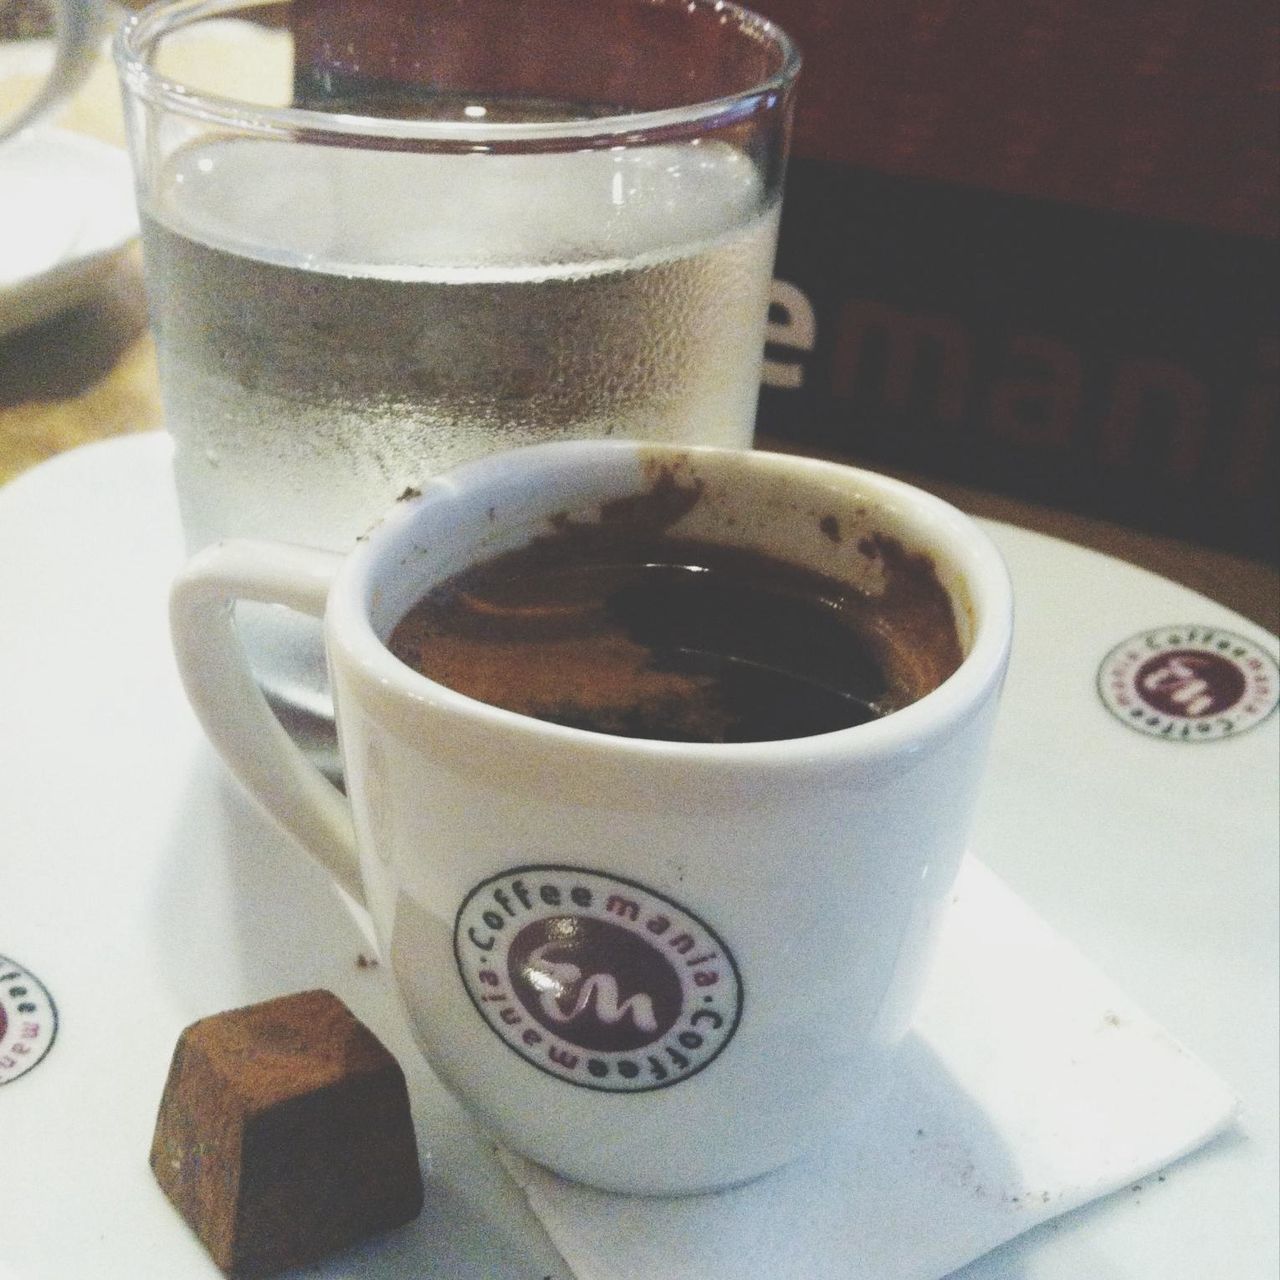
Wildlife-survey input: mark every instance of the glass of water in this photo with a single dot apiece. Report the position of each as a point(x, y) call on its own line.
point(382, 240)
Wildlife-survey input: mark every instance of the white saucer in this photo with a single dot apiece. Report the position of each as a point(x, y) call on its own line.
point(142, 891)
point(66, 215)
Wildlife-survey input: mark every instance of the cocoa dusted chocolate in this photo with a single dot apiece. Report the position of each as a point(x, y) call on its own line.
point(284, 1134)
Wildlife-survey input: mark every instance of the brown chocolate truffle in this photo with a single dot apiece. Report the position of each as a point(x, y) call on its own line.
point(284, 1133)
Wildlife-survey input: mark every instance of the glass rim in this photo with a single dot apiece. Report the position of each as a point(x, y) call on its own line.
point(143, 30)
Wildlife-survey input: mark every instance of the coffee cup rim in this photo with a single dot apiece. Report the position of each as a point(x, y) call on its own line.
point(350, 627)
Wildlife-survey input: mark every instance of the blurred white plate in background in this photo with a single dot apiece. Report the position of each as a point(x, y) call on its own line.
point(67, 213)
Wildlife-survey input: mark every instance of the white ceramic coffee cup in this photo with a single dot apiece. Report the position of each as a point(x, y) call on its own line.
point(777, 899)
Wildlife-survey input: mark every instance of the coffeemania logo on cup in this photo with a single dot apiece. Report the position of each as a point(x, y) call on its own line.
point(596, 979)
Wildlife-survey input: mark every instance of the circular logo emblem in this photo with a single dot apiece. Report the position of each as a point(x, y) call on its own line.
point(596, 979)
point(28, 1021)
point(1189, 684)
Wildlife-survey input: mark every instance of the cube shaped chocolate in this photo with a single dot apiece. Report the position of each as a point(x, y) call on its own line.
point(284, 1133)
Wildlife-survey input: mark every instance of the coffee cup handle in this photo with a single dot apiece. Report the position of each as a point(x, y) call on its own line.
point(81, 25)
point(230, 705)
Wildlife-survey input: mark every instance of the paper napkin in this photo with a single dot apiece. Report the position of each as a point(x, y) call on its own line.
point(1030, 1086)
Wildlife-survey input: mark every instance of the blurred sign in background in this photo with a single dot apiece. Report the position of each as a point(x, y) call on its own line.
point(1032, 247)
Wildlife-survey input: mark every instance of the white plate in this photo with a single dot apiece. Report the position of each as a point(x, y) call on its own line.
point(67, 213)
point(143, 892)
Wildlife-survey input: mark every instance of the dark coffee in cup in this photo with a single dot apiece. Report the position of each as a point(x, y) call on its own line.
point(624, 629)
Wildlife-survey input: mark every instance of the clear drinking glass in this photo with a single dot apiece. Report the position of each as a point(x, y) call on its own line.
point(382, 240)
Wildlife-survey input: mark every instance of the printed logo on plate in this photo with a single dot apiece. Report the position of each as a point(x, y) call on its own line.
point(596, 979)
point(28, 1021)
point(1189, 683)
